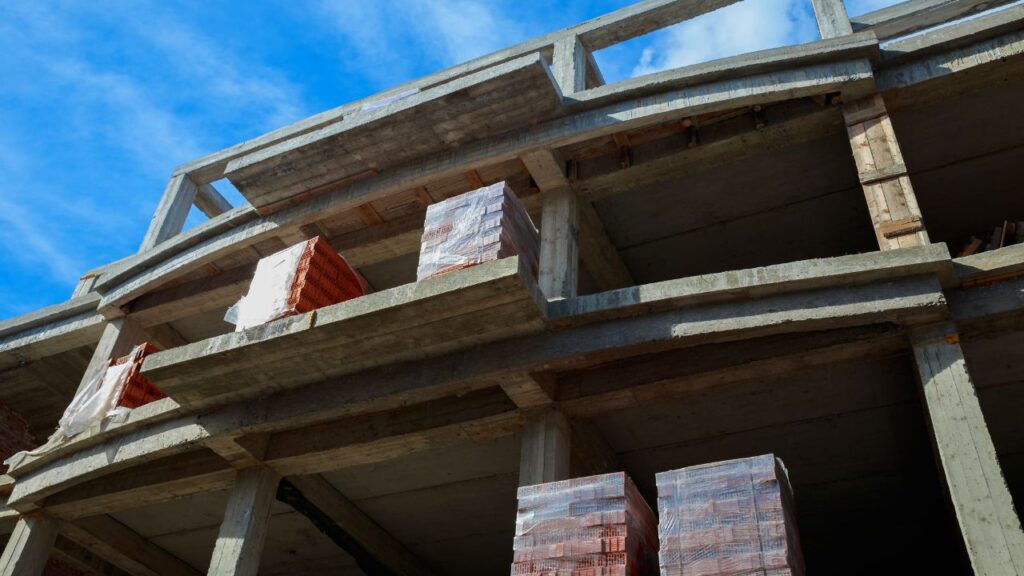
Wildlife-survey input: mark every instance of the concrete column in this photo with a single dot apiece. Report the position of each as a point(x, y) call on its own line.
point(243, 531)
point(559, 244)
point(545, 455)
point(832, 18)
point(29, 547)
point(569, 65)
point(171, 212)
point(984, 508)
point(119, 337)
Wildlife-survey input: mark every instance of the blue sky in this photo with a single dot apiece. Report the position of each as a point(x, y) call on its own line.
point(100, 100)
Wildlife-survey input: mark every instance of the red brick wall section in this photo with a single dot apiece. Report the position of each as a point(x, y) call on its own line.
point(15, 437)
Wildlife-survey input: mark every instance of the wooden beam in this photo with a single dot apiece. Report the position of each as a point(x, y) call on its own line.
point(123, 547)
point(569, 65)
point(171, 212)
point(210, 201)
point(368, 534)
point(243, 531)
point(988, 521)
point(887, 189)
point(832, 18)
point(559, 244)
point(545, 451)
point(596, 251)
point(29, 546)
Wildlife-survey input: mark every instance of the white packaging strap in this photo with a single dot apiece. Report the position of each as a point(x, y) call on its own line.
point(267, 298)
point(93, 404)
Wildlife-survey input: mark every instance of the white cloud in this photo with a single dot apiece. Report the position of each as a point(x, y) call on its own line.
point(390, 40)
point(747, 26)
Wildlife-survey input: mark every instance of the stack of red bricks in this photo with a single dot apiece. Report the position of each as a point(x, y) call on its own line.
point(594, 526)
point(728, 518)
point(137, 390)
point(299, 279)
point(322, 278)
point(476, 227)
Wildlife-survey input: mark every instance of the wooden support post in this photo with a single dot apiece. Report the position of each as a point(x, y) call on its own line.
point(171, 212)
point(984, 508)
point(29, 546)
point(832, 18)
point(244, 529)
point(569, 65)
point(883, 175)
point(559, 246)
point(545, 455)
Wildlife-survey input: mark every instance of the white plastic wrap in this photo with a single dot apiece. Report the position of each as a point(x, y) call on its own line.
point(599, 525)
point(269, 290)
point(728, 518)
point(93, 404)
point(476, 227)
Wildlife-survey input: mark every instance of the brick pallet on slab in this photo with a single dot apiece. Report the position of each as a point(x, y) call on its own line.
point(138, 390)
point(728, 518)
point(476, 227)
point(299, 279)
point(594, 526)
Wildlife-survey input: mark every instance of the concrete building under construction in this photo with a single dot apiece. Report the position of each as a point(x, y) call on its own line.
point(814, 251)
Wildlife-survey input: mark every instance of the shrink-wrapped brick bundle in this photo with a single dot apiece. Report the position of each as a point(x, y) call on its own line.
point(476, 227)
point(594, 526)
point(307, 276)
point(728, 518)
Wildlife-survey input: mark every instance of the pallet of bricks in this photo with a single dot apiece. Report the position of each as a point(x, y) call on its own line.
point(476, 227)
point(594, 526)
point(296, 280)
point(728, 518)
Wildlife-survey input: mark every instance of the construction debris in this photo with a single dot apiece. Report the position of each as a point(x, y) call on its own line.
point(476, 227)
point(1005, 234)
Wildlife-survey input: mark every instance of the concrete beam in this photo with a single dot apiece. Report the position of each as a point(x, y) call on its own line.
point(123, 547)
point(911, 16)
point(670, 321)
point(988, 521)
point(243, 531)
point(377, 542)
point(728, 94)
point(982, 41)
point(171, 212)
point(29, 546)
point(210, 201)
